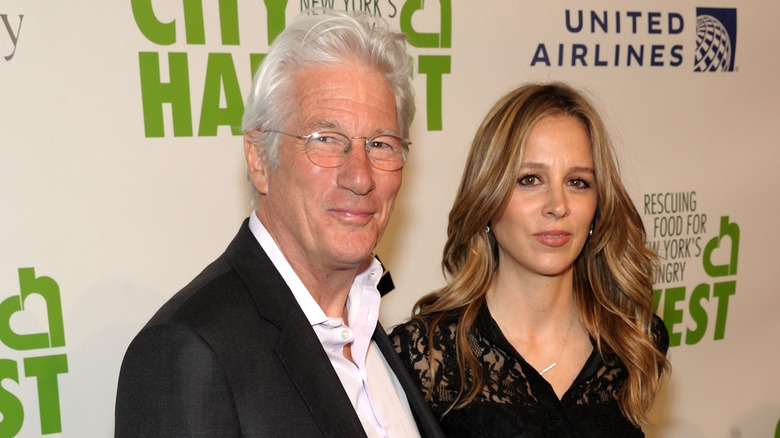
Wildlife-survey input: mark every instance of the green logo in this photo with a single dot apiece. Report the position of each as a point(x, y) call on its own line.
point(432, 66)
point(36, 369)
point(166, 77)
point(777, 430)
point(719, 291)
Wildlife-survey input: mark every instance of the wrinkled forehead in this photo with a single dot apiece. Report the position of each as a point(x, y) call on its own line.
point(348, 97)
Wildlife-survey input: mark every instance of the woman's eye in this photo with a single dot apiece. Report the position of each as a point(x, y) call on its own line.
point(528, 180)
point(579, 183)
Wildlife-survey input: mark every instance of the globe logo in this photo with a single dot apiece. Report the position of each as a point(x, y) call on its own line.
point(713, 45)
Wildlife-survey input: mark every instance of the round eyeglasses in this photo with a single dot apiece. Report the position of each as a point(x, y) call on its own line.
point(331, 149)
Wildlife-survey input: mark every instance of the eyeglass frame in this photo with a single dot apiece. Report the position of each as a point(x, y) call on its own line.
point(368, 140)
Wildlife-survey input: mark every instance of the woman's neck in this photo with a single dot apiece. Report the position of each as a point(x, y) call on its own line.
point(532, 302)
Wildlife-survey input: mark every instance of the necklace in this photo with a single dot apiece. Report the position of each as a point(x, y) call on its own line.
point(513, 342)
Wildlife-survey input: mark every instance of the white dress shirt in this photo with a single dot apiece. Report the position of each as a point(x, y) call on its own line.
point(372, 387)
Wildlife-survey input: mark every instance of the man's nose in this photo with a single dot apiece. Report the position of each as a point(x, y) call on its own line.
point(357, 173)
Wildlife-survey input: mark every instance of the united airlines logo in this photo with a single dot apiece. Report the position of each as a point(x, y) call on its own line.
point(634, 38)
point(716, 39)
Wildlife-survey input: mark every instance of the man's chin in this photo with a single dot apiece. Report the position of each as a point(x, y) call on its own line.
point(353, 258)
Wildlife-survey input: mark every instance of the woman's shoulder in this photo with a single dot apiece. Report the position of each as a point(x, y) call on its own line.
point(419, 325)
point(414, 327)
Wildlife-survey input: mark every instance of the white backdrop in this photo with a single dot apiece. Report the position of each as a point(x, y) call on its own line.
point(102, 219)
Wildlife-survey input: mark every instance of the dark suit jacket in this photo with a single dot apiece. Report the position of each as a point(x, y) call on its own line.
point(232, 354)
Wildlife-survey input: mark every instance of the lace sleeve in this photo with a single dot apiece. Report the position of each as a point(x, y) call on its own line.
point(411, 343)
point(660, 334)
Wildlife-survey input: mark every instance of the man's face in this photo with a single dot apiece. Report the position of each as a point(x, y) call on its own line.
point(327, 219)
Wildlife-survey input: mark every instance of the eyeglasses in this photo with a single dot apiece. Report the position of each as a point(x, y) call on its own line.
point(331, 149)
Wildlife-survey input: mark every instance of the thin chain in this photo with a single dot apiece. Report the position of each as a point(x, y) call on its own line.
point(513, 342)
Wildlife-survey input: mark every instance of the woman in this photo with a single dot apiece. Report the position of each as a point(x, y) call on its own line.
point(545, 328)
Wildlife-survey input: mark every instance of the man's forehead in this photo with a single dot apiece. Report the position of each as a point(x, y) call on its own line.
point(336, 97)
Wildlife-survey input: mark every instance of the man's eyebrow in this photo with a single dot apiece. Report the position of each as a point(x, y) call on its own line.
point(335, 126)
point(325, 124)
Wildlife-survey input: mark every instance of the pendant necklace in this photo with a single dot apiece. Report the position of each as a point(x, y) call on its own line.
point(560, 354)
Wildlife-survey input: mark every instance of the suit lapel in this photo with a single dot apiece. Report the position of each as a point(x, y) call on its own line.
point(298, 348)
point(309, 368)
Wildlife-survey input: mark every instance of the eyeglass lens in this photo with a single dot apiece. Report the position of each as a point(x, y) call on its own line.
point(331, 149)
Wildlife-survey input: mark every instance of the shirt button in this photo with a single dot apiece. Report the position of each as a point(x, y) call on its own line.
point(345, 334)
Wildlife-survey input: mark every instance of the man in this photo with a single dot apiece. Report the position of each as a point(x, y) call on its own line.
point(279, 336)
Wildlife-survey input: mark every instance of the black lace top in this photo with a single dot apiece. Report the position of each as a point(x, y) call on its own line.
point(515, 401)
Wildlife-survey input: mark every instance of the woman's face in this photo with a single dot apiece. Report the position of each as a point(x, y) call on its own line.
point(553, 201)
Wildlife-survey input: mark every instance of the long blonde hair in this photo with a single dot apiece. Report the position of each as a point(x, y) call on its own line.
point(612, 275)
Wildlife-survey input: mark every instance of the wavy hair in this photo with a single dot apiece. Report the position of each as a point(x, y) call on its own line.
point(612, 275)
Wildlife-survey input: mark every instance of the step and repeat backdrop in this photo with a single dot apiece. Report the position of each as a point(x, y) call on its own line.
point(122, 175)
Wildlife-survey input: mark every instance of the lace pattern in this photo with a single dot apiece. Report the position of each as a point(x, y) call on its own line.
point(515, 400)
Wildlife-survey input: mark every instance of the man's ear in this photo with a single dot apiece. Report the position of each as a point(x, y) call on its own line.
point(256, 164)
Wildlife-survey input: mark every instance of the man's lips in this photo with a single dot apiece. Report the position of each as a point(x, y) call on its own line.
point(553, 238)
point(353, 215)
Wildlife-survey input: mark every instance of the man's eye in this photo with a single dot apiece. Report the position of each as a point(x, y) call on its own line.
point(325, 138)
point(380, 145)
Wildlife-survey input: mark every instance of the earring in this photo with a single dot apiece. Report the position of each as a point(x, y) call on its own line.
point(590, 232)
point(487, 229)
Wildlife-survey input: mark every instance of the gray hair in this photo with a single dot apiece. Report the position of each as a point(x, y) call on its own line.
point(324, 37)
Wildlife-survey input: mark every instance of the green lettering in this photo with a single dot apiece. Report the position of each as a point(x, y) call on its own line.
point(48, 289)
point(419, 39)
point(45, 287)
point(275, 16)
point(254, 61)
point(154, 30)
point(777, 429)
point(194, 24)
point(699, 315)
point(155, 93)
point(220, 73)
point(46, 369)
point(673, 315)
point(434, 67)
point(228, 22)
point(723, 291)
point(33, 341)
point(10, 407)
point(732, 231)
point(194, 28)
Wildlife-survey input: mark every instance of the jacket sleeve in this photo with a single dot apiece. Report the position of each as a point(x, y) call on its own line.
point(171, 384)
